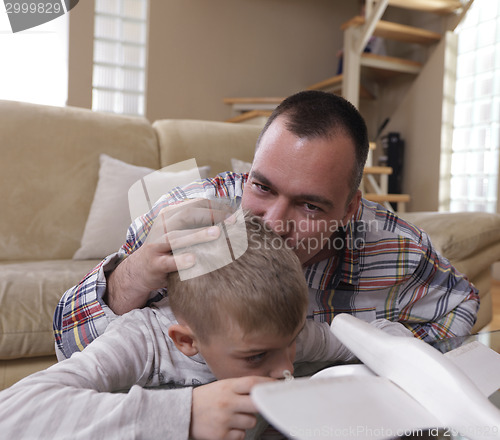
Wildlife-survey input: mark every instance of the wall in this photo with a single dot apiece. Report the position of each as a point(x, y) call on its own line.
point(418, 118)
point(81, 53)
point(203, 51)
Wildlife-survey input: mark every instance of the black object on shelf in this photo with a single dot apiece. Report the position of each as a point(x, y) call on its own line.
point(393, 156)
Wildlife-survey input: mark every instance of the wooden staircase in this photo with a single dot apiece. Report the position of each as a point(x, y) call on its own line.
point(360, 68)
point(359, 30)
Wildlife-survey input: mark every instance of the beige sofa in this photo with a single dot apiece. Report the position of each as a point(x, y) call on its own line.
point(49, 171)
point(50, 165)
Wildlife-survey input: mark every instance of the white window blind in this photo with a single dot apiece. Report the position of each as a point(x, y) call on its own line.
point(475, 146)
point(120, 48)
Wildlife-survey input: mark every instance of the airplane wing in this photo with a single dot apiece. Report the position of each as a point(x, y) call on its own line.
point(358, 406)
point(409, 388)
point(480, 364)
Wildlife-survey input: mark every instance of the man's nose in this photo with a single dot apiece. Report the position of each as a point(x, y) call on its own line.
point(277, 217)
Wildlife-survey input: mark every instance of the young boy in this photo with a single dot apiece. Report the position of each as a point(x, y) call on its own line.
point(214, 326)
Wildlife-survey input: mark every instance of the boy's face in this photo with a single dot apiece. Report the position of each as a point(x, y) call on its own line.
point(236, 354)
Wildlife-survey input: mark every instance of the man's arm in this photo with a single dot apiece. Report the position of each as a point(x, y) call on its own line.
point(82, 314)
point(405, 278)
point(437, 301)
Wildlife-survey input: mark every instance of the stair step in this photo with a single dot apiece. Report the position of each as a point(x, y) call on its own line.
point(334, 85)
point(386, 199)
point(252, 114)
point(396, 31)
point(335, 82)
point(436, 6)
point(273, 100)
point(248, 104)
point(377, 170)
point(385, 67)
point(380, 66)
point(391, 198)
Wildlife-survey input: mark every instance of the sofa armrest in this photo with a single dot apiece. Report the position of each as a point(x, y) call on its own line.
point(458, 235)
point(209, 142)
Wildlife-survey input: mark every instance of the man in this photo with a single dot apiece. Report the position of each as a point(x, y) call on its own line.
point(358, 258)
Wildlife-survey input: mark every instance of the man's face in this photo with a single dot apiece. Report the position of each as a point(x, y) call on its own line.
point(236, 354)
point(300, 187)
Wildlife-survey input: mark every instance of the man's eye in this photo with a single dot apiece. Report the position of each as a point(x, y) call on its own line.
point(256, 358)
point(312, 208)
point(261, 187)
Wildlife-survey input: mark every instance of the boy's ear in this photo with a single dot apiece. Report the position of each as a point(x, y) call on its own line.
point(183, 338)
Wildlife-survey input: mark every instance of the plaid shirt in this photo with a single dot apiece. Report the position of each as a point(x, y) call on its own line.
point(388, 269)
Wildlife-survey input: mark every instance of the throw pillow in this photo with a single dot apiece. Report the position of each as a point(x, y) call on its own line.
point(110, 214)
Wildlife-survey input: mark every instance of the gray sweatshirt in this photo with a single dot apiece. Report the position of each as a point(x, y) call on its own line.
point(106, 391)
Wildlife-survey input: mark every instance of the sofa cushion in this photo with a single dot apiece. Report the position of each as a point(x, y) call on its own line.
point(29, 293)
point(458, 235)
point(50, 163)
point(113, 208)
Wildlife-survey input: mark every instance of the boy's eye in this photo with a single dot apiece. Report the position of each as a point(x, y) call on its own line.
point(256, 358)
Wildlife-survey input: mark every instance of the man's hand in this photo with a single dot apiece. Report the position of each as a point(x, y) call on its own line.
point(146, 269)
point(223, 410)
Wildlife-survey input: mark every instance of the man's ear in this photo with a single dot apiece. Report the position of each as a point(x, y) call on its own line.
point(352, 207)
point(183, 338)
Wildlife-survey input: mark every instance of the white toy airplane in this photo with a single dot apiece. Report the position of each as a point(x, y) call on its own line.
point(410, 388)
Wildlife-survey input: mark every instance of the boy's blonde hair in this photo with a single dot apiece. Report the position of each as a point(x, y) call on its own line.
point(263, 290)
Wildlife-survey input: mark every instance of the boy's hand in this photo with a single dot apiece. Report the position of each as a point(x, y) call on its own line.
point(146, 269)
point(223, 410)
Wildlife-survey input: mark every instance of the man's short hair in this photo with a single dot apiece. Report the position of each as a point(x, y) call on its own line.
point(313, 114)
point(263, 290)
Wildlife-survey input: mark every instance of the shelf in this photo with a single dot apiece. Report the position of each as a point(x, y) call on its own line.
point(396, 31)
